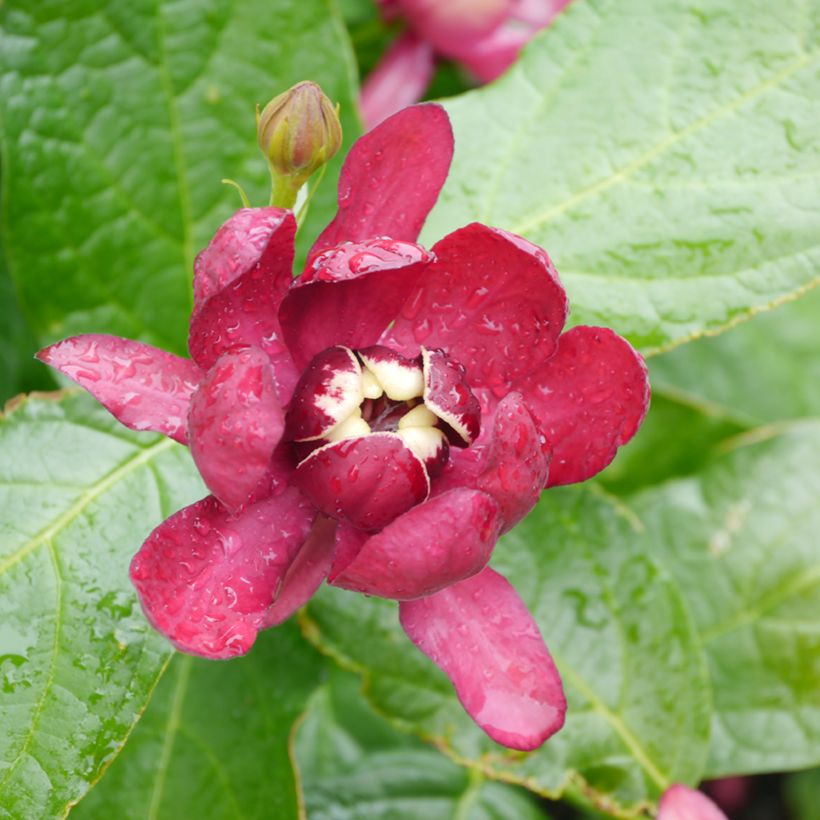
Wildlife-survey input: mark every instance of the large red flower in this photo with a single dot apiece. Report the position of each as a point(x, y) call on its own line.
point(378, 421)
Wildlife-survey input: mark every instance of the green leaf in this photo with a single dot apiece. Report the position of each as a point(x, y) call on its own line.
point(801, 795)
point(665, 154)
point(741, 540)
point(354, 765)
point(119, 122)
point(764, 370)
point(214, 742)
point(618, 631)
point(78, 661)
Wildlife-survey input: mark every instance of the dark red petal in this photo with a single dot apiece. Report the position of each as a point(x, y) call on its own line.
point(329, 390)
point(682, 803)
point(481, 634)
point(588, 400)
point(391, 178)
point(234, 425)
point(245, 311)
point(207, 580)
point(143, 387)
point(306, 573)
point(349, 295)
point(448, 395)
point(242, 243)
point(436, 544)
point(511, 464)
point(490, 302)
point(366, 481)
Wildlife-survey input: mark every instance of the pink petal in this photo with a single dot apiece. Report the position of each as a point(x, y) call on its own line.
point(348, 295)
point(306, 573)
point(329, 390)
point(243, 275)
point(143, 387)
point(207, 580)
point(367, 481)
point(483, 637)
point(447, 394)
point(681, 803)
point(235, 424)
point(588, 400)
point(511, 464)
point(400, 79)
point(391, 178)
point(491, 301)
point(435, 544)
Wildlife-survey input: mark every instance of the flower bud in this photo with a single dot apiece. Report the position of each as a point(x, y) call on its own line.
point(298, 131)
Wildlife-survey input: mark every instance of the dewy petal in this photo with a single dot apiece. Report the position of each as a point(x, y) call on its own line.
point(481, 634)
point(207, 580)
point(348, 295)
point(367, 481)
point(493, 302)
point(251, 257)
point(682, 803)
point(435, 544)
point(392, 177)
point(400, 79)
point(234, 426)
point(447, 394)
point(329, 390)
point(306, 573)
point(510, 465)
point(143, 387)
point(588, 400)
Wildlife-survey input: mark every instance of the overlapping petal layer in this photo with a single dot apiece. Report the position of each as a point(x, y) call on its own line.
point(433, 545)
point(483, 637)
point(143, 387)
point(207, 580)
point(234, 426)
point(588, 400)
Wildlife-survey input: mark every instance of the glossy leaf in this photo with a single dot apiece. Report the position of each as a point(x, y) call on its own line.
point(78, 661)
point(214, 742)
point(354, 765)
point(617, 630)
point(118, 123)
point(664, 154)
point(741, 540)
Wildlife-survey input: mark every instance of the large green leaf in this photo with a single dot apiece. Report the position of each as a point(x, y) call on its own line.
point(741, 539)
point(764, 370)
point(214, 742)
point(78, 661)
point(354, 765)
point(664, 153)
point(620, 636)
point(119, 120)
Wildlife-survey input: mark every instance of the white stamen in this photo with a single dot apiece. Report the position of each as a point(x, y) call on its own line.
point(419, 416)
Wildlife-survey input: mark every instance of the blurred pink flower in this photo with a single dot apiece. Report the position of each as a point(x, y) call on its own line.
point(682, 803)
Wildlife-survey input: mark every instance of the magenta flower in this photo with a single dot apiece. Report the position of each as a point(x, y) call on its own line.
point(485, 36)
point(379, 421)
point(682, 803)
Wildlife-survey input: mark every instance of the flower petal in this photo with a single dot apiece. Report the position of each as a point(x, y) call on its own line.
point(207, 580)
point(483, 637)
point(306, 573)
point(329, 390)
point(400, 79)
point(234, 426)
point(492, 301)
point(143, 387)
point(348, 295)
point(367, 481)
point(588, 400)
point(433, 545)
point(681, 803)
point(447, 394)
point(392, 177)
point(511, 464)
point(246, 272)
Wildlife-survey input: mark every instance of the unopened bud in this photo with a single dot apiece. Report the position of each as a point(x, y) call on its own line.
point(298, 131)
